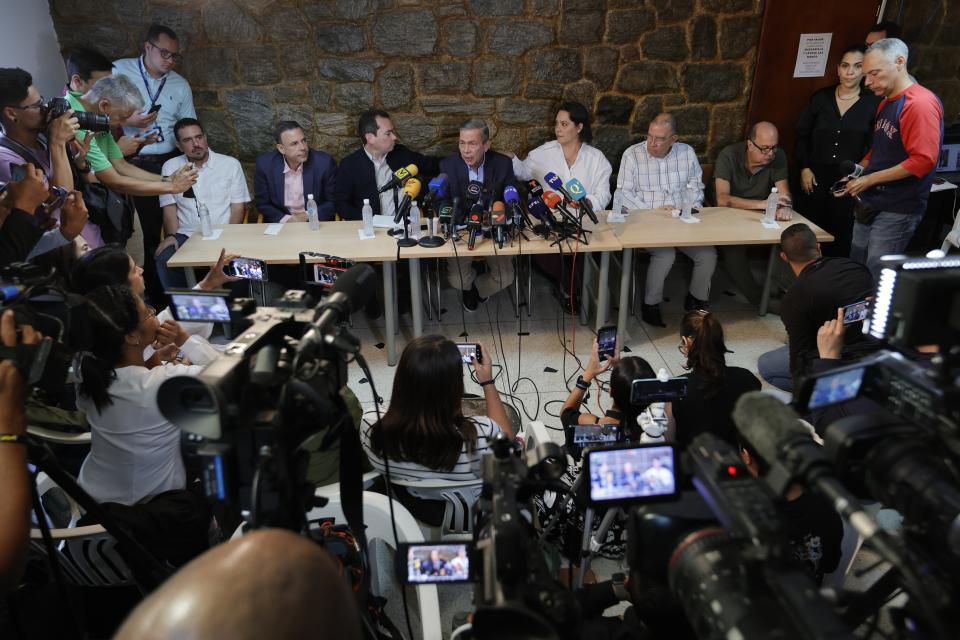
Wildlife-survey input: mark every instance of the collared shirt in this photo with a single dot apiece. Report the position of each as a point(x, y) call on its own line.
point(476, 174)
point(103, 148)
point(293, 198)
point(383, 174)
point(220, 183)
point(591, 168)
point(731, 166)
point(175, 100)
point(647, 182)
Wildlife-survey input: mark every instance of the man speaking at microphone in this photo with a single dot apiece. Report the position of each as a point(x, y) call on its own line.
point(477, 163)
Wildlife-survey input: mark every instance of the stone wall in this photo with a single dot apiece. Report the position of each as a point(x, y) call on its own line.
point(432, 64)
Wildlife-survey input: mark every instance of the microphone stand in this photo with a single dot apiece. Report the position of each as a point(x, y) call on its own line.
point(406, 240)
point(432, 241)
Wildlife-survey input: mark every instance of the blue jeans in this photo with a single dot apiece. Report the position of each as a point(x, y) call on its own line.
point(171, 278)
point(887, 233)
point(774, 367)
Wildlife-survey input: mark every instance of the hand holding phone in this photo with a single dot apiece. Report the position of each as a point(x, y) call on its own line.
point(247, 268)
point(856, 312)
point(607, 342)
point(469, 351)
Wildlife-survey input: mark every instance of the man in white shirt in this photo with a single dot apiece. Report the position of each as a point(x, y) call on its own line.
point(167, 98)
point(221, 186)
point(655, 174)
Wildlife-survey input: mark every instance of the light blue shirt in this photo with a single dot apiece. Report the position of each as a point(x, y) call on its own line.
point(478, 174)
point(176, 101)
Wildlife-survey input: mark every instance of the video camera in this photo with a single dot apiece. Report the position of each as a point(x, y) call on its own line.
point(88, 121)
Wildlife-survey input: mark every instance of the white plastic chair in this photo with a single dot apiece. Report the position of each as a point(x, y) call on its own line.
point(58, 437)
point(460, 498)
point(87, 556)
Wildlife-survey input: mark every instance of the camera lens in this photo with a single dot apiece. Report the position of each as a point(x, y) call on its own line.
point(94, 122)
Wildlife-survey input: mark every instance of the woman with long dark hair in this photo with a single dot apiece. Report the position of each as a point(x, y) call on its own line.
point(135, 450)
point(424, 433)
point(714, 387)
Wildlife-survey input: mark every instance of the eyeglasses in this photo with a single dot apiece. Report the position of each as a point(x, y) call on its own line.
point(657, 140)
point(36, 105)
point(166, 54)
point(763, 150)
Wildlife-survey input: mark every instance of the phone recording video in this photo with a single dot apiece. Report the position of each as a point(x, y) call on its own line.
point(469, 350)
point(632, 475)
point(647, 390)
point(200, 306)
point(430, 563)
point(856, 312)
point(249, 268)
point(607, 342)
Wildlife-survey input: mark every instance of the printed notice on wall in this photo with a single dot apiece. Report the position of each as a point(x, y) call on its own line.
point(812, 55)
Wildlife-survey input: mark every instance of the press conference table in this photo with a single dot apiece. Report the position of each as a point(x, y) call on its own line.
point(718, 226)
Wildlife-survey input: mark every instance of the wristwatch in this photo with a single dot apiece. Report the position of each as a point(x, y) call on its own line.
point(582, 384)
point(164, 178)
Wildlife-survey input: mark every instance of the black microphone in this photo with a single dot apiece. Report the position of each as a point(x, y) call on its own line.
point(474, 224)
point(534, 189)
point(400, 176)
point(474, 191)
point(457, 212)
point(351, 291)
point(851, 169)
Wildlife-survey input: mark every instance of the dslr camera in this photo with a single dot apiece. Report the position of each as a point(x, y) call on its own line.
point(93, 122)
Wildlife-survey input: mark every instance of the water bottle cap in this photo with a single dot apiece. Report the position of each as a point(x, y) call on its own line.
point(309, 196)
point(773, 190)
point(366, 201)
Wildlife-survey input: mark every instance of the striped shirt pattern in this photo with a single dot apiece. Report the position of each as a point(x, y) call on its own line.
point(645, 182)
point(467, 467)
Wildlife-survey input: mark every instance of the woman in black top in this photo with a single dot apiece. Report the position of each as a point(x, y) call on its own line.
point(837, 125)
point(714, 388)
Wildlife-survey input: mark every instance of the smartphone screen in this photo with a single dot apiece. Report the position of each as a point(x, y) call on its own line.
point(17, 172)
point(637, 474)
point(646, 390)
point(325, 275)
point(249, 268)
point(195, 307)
point(468, 350)
point(607, 342)
point(855, 312)
point(585, 435)
point(433, 563)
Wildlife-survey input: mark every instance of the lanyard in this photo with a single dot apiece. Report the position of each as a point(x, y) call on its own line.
point(143, 75)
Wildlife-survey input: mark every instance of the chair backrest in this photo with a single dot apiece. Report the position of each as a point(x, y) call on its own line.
point(56, 436)
point(460, 498)
point(87, 556)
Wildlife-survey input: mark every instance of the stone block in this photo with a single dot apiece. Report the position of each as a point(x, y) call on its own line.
point(395, 86)
point(206, 98)
point(495, 77)
point(666, 43)
point(460, 37)
point(517, 111)
point(717, 82)
point(647, 77)
point(703, 38)
point(536, 136)
point(581, 28)
point(496, 7)
point(738, 36)
point(613, 141)
point(614, 109)
point(225, 23)
point(455, 105)
point(726, 6)
point(219, 129)
point(185, 22)
point(584, 92)
point(515, 37)
point(415, 131)
point(543, 8)
point(302, 114)
point(508, 139)
point(290, 93)
point(253, 119)
point(353, 97)
point(285, 25)
point(692, 121)
point(406, 33)
point(600, 66)
point(444, 77)
point(541, 91)
point(727, 125)
point(211, 67)
point(348, 70)
point(111, 42)
point(258, 65)
point(339, 38)
point(350, 9)
point(647, 110)
point(322, 95)
point(673, 10)
point(560, 65)
point(334, 124)
point(624, 27)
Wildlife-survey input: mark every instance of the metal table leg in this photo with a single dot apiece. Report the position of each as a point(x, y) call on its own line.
point(416, 297)
point(765, 296)
point(585, 289)
point(626, 276)
point(390, 311)
point(603, 290)
point(191, 274)
point(529, 285)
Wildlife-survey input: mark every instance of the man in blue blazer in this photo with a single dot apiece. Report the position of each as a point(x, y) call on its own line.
point(477, 163)
point(363, 172)
point(285, 177)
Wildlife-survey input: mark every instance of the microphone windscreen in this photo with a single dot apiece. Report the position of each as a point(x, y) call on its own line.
point(474, 190)
point(851, 168)
point(575, 189)
point(553, 180)
point(551, 199)
point(536, 207)
point(765, 423)
point(534, 188)
point(498, 207)
point(412, 169)
point(412, 187)
point(357, 283)
point(510, 194)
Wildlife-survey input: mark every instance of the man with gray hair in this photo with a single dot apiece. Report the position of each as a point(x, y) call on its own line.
point(117, 97)
point(899, 168)
point(656, 174)
point(490, 173)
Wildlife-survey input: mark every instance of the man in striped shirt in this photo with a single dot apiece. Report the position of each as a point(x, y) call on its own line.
point(656, 174)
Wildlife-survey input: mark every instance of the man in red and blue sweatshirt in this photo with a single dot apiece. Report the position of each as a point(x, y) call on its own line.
point(899, 168)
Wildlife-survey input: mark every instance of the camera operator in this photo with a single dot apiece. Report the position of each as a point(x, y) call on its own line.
point(15, 504)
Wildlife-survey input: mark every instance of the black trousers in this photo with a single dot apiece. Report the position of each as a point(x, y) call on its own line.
point(833, 215)
point(151, 222)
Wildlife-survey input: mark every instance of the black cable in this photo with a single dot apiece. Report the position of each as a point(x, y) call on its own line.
point(499, 338)
point(463, 311)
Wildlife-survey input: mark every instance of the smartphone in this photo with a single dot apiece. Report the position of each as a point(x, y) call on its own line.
point(632, 474)
point(154, 108)
point(194, 305)
point(324, 275)
point(58, 196)
point(647, 390)
point(17, 172)
point(470, 350)
point(607, 342)
point(436, 563)
point(839, 185)
point(856, 312)
point(249, 268)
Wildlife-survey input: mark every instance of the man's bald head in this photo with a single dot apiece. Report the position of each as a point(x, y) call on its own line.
point(268, 584)
point(762, 141)
point(764, 129)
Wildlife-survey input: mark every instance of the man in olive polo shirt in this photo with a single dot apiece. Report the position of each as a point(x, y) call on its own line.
point(744, 174)
point(117, 97)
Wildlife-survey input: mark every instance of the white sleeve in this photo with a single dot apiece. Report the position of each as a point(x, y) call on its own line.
point(167, 169)
point(601, 183)
point(697, 174)
point(199, 350)
point(238, 186)
point(520, 169)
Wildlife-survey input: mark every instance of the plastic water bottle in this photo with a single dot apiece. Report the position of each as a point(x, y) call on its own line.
point(206, 226)
point(313, 215)
point(686, 207)
point(414, 220)
point(773, 200)
point(367, 212)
